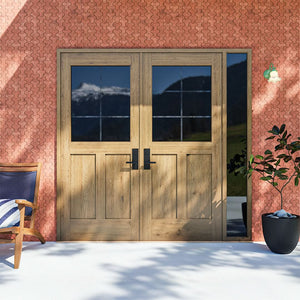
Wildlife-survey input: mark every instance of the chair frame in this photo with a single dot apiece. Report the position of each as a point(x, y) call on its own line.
point(21, 230)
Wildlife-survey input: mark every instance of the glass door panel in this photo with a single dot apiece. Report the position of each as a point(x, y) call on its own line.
point(100, 103)
point(181, 103)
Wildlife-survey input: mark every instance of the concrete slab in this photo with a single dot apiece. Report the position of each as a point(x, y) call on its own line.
point(149, 270)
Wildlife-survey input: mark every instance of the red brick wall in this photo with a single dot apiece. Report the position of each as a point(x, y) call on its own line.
point(32, 30)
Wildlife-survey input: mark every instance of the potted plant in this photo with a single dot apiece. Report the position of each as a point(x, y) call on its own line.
point(279, 168)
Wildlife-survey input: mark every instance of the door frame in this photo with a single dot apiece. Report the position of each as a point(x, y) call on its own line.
point(224, 52)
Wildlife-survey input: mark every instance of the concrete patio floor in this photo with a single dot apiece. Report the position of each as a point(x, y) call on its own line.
point(149, 270)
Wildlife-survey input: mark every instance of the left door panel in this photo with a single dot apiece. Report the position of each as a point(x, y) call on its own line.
point(98, 190)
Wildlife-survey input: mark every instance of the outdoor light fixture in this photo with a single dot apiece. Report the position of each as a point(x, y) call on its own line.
point(271, 74)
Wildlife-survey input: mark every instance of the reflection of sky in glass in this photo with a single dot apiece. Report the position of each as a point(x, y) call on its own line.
point(164, 76)
point(102, 76)
point(235, 58)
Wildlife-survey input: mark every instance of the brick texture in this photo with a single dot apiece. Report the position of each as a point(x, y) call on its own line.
point(32, 30)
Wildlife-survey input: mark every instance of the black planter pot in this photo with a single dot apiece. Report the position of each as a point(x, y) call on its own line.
point(281, 235)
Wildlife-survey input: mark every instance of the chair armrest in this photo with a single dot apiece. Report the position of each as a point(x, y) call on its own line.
point(26, 203)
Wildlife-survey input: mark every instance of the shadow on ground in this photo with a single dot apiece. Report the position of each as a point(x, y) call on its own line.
point(154, 279)
point(136, 270)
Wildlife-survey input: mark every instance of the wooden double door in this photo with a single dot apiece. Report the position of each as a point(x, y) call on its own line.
point(139, 146)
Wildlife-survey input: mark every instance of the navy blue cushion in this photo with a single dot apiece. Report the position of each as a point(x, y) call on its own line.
point(9, 213)
point(18, 185)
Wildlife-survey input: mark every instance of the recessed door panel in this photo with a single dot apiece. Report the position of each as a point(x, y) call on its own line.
point(117, 187)
point(199, 186)
point(83, 187)
point(164, 186)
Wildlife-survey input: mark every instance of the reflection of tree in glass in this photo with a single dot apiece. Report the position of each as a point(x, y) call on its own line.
point(239, 161)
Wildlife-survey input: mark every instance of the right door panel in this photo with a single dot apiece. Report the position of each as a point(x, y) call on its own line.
point(181, 125)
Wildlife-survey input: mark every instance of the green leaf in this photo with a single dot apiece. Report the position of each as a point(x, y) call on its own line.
point(283, 170)
point(281, 156)
point(283, 177)
point(287, 159)
point(270, 137)
point(258, 156)
point(251, 159)
point(297, 159)
point(279, 147)
point(268, 152)
point(282, 128)
point(266, 178)
point(296, 181)
point(275, 130)
point(284, 135)
point(274, 183)
point(277, 162)
point(269, 157)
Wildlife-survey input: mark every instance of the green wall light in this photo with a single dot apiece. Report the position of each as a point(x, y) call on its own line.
point(271, 74)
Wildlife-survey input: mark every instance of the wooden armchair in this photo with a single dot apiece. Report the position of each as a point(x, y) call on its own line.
point(19, 182)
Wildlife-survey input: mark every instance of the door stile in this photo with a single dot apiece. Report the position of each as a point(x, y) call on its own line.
point(145, 135)
point(217, 148)
point(135, 140)
point(65, 145)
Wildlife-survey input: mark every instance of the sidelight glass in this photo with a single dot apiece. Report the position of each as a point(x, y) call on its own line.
point(236, 143)
point(100, 104)
point(181, 103)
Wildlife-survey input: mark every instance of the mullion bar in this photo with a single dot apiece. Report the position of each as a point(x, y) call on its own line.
point(100, 120)
point(183, 117)
point(188, 91)
point(181, 110)
point(103, 117)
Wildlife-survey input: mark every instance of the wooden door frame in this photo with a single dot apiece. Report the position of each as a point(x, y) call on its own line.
point(224, 52)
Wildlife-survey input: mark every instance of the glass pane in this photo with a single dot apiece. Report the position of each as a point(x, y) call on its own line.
point(116, 129)
point(166, 104)
point(84, 129)
point(99, 92)
point(197, 104)
point(166, 129)
point(116, 105)
point(196, 129)
point(197, 79)
point(176, 78)
point(236, 143)
point(181, 91)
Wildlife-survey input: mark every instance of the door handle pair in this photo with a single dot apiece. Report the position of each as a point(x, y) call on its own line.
point(135, 159)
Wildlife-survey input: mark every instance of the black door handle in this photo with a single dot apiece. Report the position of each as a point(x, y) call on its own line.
point(147, 161)
point(135, 159)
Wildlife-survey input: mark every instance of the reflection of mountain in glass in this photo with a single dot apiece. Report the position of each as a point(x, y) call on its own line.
point(183, 110)
point(100, 114)
point(194, 92)
point(89, 99)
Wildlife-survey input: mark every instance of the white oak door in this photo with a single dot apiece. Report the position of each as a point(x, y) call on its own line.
point(139, 147)
point(181, 131)
point(99, 132)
